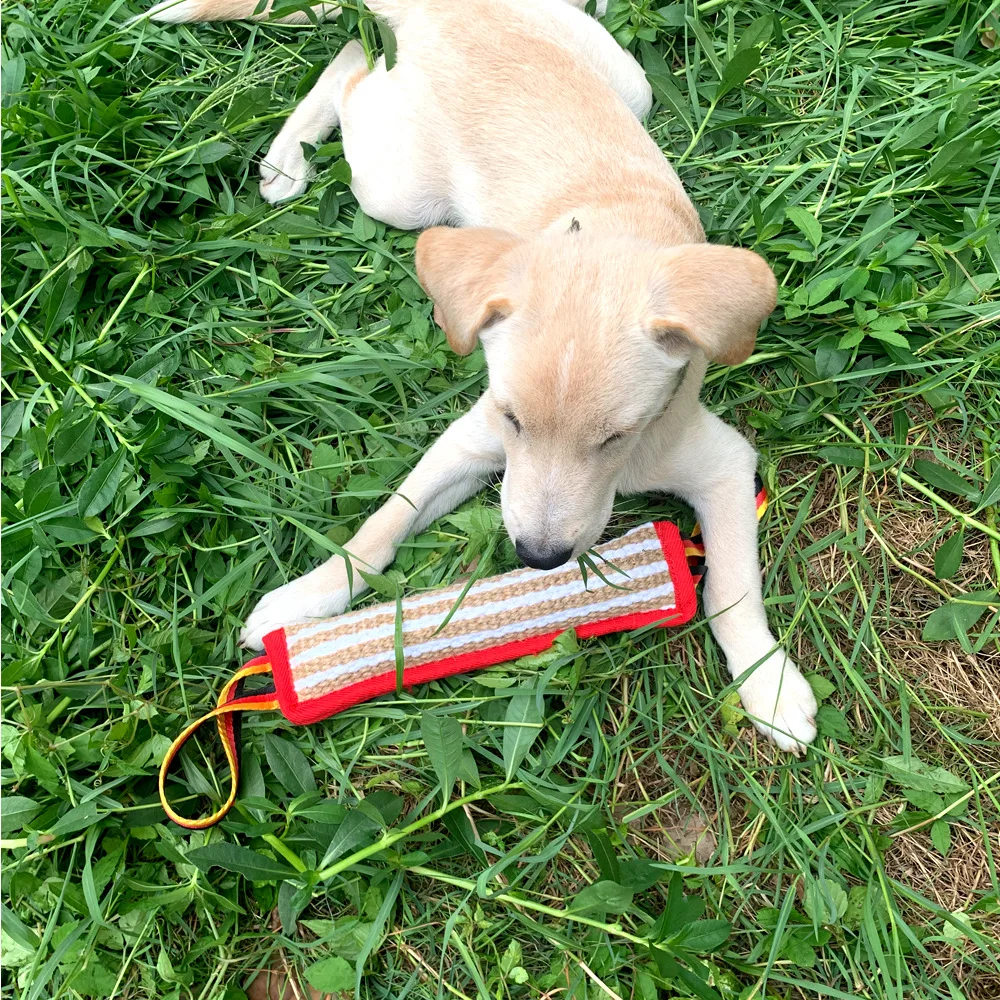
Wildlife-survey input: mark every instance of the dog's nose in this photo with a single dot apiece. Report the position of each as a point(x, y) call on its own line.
point(541, 556)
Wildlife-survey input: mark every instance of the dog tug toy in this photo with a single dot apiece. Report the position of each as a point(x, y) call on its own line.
point(647, 577)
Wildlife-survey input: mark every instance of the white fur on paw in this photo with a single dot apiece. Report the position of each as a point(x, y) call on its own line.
point(302, 600)
point(781, 703)
point(284, 172)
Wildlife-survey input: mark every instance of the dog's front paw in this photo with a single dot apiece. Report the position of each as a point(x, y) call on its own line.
point(781, 703)
point(284, 172)
point(303, 600)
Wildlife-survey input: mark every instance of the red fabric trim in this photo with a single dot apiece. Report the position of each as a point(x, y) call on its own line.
point(276, 647)
point(314, 709)
point(680, 572)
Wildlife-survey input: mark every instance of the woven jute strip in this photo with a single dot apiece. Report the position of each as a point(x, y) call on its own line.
point(498, 610)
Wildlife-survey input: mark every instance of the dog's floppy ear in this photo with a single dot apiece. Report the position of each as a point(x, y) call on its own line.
point(715, 297)
point(464, 272)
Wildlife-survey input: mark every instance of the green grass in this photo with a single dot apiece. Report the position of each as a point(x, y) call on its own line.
point(203, 395)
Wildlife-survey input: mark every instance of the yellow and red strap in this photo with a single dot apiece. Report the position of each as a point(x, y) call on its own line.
point(231, 701)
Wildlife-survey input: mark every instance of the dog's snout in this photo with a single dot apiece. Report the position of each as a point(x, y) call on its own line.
point(539, 556)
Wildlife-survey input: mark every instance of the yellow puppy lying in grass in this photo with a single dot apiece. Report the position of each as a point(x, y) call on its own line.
point(580, 264)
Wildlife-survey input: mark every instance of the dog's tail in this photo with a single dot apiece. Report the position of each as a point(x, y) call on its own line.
point(182, 11)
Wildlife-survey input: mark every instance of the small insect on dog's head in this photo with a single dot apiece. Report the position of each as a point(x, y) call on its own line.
point(587, 339)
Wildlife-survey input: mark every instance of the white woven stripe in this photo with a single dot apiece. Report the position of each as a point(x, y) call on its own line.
point(486, 611)
point(620, 552)
point(545, 623)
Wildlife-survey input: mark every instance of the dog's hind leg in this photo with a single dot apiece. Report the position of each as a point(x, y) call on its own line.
point(187, 11)
point(590, 41)
point(284, 171)
point(397, 174)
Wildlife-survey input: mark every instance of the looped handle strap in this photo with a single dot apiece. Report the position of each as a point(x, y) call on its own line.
point(231, 701)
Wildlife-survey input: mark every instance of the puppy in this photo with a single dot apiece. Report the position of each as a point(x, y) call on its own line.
point(579, 263)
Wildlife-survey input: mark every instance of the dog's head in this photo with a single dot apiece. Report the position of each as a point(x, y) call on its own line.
point(587, 339)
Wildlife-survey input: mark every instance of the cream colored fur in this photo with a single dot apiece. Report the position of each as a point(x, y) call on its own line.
point(581, 266)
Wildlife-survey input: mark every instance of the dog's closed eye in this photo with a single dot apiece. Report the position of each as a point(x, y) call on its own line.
point(614, 438)
point(513, 421)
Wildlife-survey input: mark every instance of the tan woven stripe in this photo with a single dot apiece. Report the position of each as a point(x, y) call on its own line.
point(574, 608)
point(471, 600)
point(345, 680)
point(478, 622)
point(447, 597)
point(477, 597)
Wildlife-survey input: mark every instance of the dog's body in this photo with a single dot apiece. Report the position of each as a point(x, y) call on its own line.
point(582, 264)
